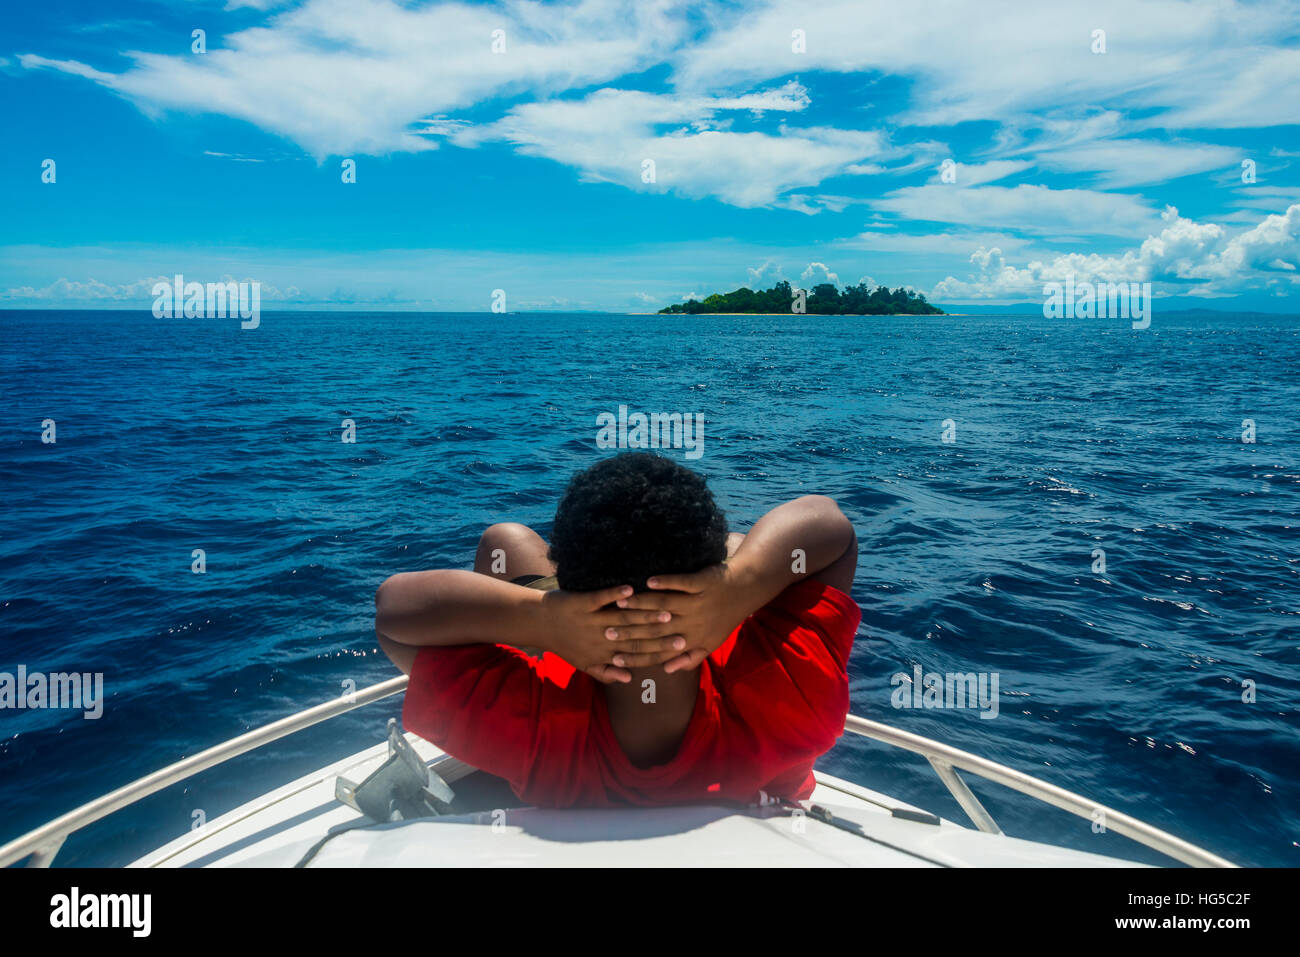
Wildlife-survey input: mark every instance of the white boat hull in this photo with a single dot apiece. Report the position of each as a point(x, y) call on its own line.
point(280, 828)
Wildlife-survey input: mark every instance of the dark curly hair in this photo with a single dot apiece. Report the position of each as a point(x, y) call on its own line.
point(633, 516)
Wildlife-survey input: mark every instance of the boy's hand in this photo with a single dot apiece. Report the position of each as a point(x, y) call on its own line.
point(706, 606)
point(602, 642)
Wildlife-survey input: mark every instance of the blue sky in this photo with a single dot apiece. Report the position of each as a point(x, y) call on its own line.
point(789, 140)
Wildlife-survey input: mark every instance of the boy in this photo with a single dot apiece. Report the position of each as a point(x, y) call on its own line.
point(679, 664)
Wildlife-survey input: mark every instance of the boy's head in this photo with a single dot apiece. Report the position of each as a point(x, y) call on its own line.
point(633, 516)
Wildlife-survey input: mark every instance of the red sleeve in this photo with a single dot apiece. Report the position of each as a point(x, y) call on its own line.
point(787, 676)
point(480, 703)
point(484, 704)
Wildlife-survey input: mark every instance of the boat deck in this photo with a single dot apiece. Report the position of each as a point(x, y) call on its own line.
point(288, 825)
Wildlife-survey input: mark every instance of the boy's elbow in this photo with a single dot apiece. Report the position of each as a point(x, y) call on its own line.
point(384, 598)
point(407, 598)
point(821, 504)
point(828, 511)
point(389, 599)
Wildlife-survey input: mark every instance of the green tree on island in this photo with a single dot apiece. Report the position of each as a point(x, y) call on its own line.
point(824, 299)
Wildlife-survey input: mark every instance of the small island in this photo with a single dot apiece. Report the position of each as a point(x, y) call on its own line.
point(824, 299)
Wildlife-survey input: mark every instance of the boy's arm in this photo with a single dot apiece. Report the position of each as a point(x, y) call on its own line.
point(454, 607)
point(806, 538)
point(407, 611)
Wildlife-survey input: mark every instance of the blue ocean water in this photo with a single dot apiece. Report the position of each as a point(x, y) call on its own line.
point(977, 554)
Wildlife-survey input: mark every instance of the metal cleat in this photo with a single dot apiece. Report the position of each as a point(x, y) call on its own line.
point(400, 789)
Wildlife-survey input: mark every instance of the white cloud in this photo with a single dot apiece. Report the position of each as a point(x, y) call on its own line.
point(1033, 209)
point(233, 157)
point(804, 203)
point(32, 62)
point(89, 290)
point(1184, 257)
point(1252, 90)
point(975, 174)
point(1119, 164)
point(818, 273)
point(1182, 62)
point(137, 291)
point(932, 244)
point(1265, 198)
point(611, 135)
point(764, 276)
point(342, 76)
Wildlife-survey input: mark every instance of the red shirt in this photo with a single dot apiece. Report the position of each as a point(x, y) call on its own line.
point(772, 699)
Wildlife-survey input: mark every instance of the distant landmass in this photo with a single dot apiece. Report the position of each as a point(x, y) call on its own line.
point(824, 299)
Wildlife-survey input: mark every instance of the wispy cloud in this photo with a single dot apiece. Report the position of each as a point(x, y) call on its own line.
point(657, 142)
point(1120, 164)
point(1033, 209)
point(343, 76)
point(1180, 62)
point(136, 292)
